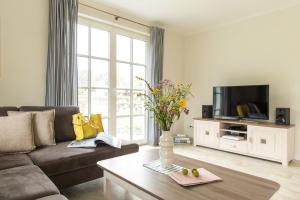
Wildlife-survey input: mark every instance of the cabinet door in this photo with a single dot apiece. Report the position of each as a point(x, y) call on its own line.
point(208, 133)
point(265, 141)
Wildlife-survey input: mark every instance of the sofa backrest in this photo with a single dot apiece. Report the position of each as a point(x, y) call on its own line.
point(3, 110)
point(63, 120)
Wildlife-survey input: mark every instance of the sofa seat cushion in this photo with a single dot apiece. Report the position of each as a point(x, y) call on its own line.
point(54, 160)
point(14, 160)
point(54, 197)
point(25, 183)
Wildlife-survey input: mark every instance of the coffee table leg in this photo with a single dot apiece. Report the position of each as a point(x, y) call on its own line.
point(107, 188)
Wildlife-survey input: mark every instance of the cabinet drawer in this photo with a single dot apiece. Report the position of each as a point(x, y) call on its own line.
point(234, 146)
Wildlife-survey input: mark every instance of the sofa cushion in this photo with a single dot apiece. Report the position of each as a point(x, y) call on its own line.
point(3, 110)
point(54, 160)
point(54, 197)
point(14, 160)
point(63, 126)
point(25, 183)
point(16, 134)
point(43, 126)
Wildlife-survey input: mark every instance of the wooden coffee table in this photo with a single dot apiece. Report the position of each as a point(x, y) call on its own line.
point(128, 172)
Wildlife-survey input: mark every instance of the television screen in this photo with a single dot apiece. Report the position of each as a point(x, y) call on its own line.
point(244, 102)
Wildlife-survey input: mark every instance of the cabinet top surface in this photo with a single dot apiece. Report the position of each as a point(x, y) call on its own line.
point(246, 122)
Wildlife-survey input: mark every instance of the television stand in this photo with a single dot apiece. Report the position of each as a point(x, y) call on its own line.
point(261, 139)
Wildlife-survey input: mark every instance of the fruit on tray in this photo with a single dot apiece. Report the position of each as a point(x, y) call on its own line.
point(195, 172)
point(185, 171)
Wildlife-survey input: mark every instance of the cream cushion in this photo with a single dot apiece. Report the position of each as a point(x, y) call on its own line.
point(16, 134)
point(43, 126)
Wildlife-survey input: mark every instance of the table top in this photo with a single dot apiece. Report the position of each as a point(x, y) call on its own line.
point(234, 186)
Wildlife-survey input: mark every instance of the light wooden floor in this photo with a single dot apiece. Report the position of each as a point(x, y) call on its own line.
point(287, 177)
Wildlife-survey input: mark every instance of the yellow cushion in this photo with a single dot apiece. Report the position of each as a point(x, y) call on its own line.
point(87, 127)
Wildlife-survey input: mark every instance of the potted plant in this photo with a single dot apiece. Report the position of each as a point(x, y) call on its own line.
point(167, 101)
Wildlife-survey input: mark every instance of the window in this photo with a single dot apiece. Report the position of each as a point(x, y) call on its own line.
point(109, 59)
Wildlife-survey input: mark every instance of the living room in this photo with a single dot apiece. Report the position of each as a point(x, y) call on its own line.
point(223, 76)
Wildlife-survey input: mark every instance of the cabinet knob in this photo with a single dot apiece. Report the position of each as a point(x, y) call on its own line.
point(250, 140)
point(206, 132)
point(263, 141)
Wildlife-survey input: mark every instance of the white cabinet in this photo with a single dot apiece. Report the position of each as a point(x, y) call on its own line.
point(207, 133)
point(264, 140)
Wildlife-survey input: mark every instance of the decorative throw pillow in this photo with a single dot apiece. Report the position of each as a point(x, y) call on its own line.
point(43, 126)
point(16, 134)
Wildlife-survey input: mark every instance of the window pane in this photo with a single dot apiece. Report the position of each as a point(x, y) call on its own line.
point(82, 39)
point(138, 104)
point(138, 128)
point(99, 73)
point(139, 51)
point(123, 75)
point(83, 100)
point(138, 71)
point(83, 69)
point(105, 125)
point(99, 43)
point(99, 98)
point(123, 128)
point(123, 102)
point(123, 48)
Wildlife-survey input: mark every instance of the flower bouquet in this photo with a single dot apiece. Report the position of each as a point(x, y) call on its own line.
point(167, 101)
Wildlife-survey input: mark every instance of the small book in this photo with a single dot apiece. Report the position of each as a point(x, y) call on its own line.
point(180, 135)
point(100, 139)
point(205, 176)
point(181, 138)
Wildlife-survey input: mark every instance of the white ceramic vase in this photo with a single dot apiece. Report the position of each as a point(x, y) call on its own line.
point(166, 149)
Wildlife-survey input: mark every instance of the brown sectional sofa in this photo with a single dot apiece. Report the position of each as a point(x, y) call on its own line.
point(40, 173)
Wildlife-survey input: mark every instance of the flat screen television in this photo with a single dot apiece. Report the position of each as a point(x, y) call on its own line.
point(241, 102)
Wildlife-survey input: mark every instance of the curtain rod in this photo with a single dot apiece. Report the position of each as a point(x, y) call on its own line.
point(116, 16)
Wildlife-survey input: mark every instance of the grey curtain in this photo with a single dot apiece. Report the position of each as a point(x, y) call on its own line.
point(61, 85)
point(156, 75)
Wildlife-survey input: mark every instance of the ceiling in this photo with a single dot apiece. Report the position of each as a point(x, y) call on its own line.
point(190, 16)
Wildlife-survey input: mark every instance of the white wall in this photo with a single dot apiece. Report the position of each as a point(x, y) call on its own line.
point(261, 50)
point(23, 40)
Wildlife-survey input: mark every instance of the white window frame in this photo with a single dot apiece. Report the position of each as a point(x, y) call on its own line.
point(112, 87)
